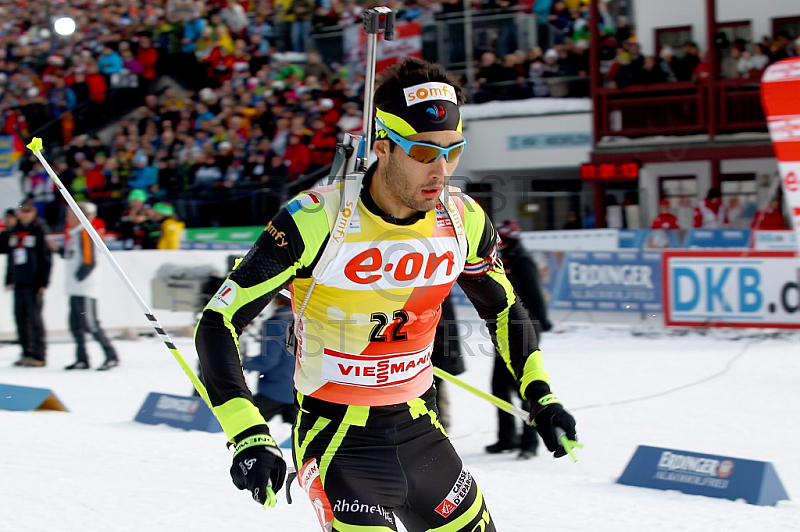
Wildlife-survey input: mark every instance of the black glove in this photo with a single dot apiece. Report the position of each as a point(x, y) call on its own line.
point(258, 464)
point(549, 418)
point(84, 271)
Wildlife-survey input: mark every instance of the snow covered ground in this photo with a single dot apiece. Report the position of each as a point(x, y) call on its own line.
point(731, 393)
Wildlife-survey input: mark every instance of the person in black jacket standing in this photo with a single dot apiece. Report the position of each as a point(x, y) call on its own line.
point(446, 355)
point(9, 221)
point(29, 262)
point(524, 277)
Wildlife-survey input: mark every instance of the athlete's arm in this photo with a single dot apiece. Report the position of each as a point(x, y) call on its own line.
point(485, 284)
point(288, 246)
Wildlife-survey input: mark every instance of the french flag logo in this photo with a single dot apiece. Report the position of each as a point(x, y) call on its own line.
point(436, 113)
point(224, 297)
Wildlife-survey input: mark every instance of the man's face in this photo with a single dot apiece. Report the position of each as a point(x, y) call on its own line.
point(413, 184)
point(26, 214)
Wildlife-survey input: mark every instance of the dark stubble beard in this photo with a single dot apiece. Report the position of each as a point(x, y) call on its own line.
point(401, 188)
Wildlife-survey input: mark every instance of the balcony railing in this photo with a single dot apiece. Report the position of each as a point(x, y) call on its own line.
point(712, 108)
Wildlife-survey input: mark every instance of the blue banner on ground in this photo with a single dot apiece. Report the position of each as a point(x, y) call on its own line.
point(704, 474)
point(628, 281)
point(190, 413)
point(25, 398)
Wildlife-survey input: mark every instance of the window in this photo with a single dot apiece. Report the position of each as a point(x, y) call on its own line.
point(736, 30)
point(673, 37)
point(729, 33)
point(790, 25)
point(740, 198)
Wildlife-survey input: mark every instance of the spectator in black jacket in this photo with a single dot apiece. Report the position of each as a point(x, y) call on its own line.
point(684, 67)
point(9, 221)
point(446, 355)
point(28, 273)
point(524, 277)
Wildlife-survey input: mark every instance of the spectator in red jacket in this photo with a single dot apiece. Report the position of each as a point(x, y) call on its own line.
point(711, 213)
point(322, 143)
point(297, 157)
point(147, 57)
point(95, 180)
point(96, 83)
point(665, 219)
point(769, 218)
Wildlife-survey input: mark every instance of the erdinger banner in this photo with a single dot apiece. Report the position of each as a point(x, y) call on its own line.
point(780, 87)
point(709, 475)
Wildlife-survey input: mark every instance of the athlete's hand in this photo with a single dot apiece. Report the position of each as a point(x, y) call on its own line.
point(549, 418)
point(258, 465)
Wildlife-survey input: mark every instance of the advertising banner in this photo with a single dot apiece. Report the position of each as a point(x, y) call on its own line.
point(627, 281)
point(775, 240)
point(407, 42)
point(709, 475)
point(10, 150)
point(190, 413)
point(247, 235)
point(718, 238)
point(731, 289)
point(779, 88)
point(649, 238)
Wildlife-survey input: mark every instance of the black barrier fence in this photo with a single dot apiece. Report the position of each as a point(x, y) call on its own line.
point(247, 203)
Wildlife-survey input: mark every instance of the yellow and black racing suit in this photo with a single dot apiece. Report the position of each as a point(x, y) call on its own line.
point(367, 443)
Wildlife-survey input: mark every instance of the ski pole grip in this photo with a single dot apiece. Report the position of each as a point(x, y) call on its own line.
point(567, 444)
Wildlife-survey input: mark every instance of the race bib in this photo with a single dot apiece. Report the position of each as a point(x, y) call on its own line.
point(20, 256)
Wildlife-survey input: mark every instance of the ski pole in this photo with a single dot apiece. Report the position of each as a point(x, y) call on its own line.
point(505, 406)
point(36, 147)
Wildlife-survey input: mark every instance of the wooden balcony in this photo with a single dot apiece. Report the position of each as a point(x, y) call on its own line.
point(669, 109)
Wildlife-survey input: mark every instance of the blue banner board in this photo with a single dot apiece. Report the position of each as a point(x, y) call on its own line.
point(649, 238)
point(704, 474)
point(26, 398)
point(718, 238)
point(190, 413)
point(628, 281)
point(549, 141)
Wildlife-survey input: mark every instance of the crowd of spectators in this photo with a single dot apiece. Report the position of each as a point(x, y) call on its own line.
point(247, 124)
point(624, 64)
point(253, 122)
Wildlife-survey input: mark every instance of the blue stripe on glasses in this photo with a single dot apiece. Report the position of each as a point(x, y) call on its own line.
point(422, 151)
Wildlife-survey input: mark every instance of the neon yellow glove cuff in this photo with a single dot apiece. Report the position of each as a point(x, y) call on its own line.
point(252, 441)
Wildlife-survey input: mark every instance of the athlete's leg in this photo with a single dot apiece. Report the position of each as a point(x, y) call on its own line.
point(350, 473)
point(442, 497)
